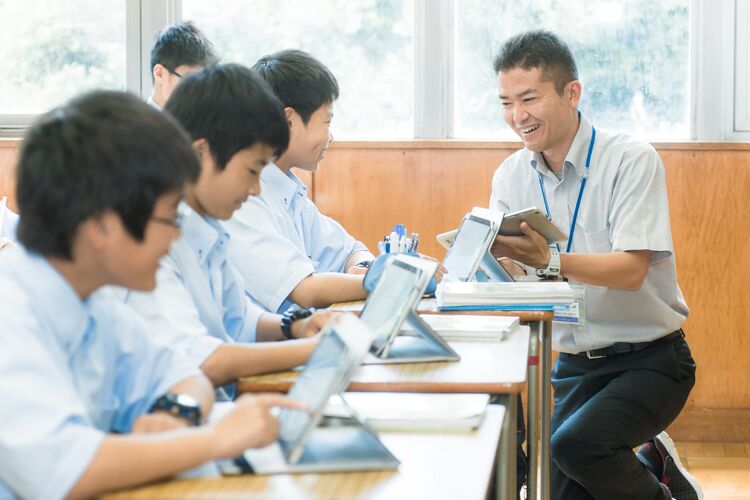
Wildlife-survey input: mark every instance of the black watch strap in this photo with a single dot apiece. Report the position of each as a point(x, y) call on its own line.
point(180, 406)
point(290, 316)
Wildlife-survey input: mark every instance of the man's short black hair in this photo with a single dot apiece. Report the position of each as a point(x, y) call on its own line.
point(229, 106)
point(102, 151)
point(182, 44)
point(539, 49)
point(299, 80)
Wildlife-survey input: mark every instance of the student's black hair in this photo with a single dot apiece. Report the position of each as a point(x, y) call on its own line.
point(101, 151)
point(299, 80)
point(539, 49)
point(182, 44)
point(230, 107)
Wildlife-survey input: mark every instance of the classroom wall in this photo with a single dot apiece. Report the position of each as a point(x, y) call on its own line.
point(428, 186)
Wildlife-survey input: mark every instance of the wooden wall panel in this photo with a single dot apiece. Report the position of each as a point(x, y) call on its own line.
point(8, 159)
point(429, 190)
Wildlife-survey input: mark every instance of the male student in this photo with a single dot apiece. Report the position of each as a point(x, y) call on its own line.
point(8, 223)
point(81, 382)
point(179, 49)
point(285, 249)
point(626, 371)
point(237, 126)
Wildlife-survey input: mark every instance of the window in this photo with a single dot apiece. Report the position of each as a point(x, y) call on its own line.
point(367, 44)
point(51, 50)
point(632, 58)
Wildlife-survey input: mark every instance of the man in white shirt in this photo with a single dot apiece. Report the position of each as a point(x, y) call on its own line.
point(285, 249)
point(625, 372)
point(179, 49)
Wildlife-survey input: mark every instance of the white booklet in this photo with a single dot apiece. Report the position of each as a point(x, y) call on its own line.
point(404, 411)
point(474, 293)
point(471, 327)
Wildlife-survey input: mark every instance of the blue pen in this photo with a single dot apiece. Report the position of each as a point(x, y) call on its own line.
point(414, 241)
point(387, 244)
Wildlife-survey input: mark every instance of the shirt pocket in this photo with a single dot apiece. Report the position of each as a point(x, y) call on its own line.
point(598, 241)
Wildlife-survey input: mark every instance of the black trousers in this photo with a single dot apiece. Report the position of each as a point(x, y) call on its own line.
point(606, 407)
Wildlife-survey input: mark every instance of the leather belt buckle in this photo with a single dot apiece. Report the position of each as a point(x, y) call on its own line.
point(594, 356)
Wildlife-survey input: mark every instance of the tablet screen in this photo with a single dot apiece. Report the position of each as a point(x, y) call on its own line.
point(464, 256)
point(316, 383)
point(390, 301)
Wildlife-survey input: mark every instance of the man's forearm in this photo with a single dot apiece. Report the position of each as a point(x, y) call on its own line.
point(200, 388)
point(357, 257)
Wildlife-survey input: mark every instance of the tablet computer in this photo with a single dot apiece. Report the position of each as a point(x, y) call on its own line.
point(470, 251)
point(536, 219)
point(342, 345)
point(392, 302)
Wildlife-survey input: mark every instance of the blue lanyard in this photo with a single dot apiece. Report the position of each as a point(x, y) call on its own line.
point(580, 193)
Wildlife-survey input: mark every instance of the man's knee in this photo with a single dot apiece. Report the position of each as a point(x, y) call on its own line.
point(573, 453)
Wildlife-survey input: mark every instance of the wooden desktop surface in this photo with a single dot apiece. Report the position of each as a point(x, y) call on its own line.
point(433, 465)
point(429, 306)
point(485, 367)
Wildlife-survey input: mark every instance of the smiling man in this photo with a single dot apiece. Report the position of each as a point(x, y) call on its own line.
point(625, 370)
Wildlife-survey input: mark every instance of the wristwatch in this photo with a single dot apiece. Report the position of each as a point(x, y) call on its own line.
point(365, 264)
point(180, 406)
point(552, 271)
point(290, 316)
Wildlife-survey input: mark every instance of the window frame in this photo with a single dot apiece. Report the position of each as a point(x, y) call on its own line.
point(718, 111)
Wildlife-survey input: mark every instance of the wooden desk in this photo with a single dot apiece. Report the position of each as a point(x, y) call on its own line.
point(433, 465)
point(497, 368)
point(539, 411)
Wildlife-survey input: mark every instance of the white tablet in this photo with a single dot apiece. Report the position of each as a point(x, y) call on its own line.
point(536, 219)
point(394, 301)
point(342, 345)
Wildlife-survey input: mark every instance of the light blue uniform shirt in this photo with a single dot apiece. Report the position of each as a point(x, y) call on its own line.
point(280, 237)
point(8, 222)
point(199, 302)
point(70, 372)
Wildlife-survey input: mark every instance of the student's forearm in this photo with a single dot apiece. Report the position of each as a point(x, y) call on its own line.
point(232, 361)
point(200, 388)
point(624, 270)
point(324, 289)
point(130, 460)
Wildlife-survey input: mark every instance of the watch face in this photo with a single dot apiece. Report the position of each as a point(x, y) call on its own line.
point(188, 401)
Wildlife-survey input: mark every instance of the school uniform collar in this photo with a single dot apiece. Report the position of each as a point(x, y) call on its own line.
point(576, 156)
point(203, 234)
point(58, 303)
point(284, 187)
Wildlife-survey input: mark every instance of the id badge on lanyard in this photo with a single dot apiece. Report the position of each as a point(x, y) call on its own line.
point(575, 313)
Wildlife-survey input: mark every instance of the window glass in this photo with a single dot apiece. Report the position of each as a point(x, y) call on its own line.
point(52, 50)
point(367, 44)
point(632, 58)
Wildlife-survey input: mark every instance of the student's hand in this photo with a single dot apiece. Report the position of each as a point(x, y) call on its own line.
point(441, 271)
point(512, 267)
point(311, 325)
point(159, 421)
point(531, 248)
point(250, 424)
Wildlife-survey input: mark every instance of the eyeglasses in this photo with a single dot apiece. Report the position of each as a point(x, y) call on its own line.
point(175, 223)
point(175, 73)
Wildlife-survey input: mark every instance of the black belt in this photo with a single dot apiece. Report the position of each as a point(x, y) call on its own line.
point(625, 347)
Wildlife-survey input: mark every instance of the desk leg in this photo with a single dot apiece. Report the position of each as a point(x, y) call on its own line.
point(532, 411)
point(546, 406)
point(505, 477)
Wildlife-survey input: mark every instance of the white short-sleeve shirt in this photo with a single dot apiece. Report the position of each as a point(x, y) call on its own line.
point(280, 237)
point(71, 371)
point(199, 302)
point(8, 222)
point(624, 207)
